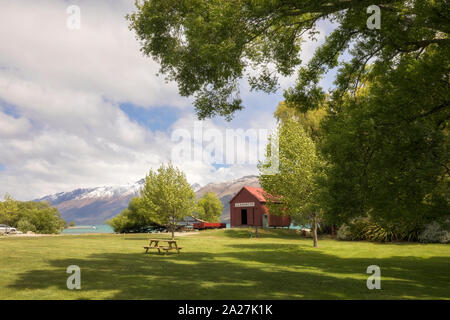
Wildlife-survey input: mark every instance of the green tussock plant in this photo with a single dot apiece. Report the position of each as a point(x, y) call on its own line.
point(367, 229)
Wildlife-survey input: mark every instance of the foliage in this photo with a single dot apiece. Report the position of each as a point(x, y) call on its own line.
point(293, 190)
point(365, 228)
point(41, 217)
point(436, 232)
point(309, 120)
point(209, 208)
point(25, 226)
point(9, 211)
point(387, 149)
point(343, 232)
point(208, 46)
point(167, 197)
point(133, 219)
point(121, 223)
point(385, 136)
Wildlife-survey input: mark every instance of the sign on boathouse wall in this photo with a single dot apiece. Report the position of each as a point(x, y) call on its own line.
point(244, 204)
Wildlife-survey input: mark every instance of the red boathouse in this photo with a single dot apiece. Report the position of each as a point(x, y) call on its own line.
point(248, 208)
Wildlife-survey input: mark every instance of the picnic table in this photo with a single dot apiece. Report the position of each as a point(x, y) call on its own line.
point(171, 245)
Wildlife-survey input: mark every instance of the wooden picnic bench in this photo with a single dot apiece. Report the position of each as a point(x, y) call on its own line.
point(154, 244)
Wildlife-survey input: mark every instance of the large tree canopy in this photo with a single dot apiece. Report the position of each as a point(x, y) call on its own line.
point(388, 156)
point(385, 132)
point(208, 46)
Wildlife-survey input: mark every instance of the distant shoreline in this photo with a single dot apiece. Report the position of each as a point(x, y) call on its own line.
point(82, 227)
point(39, 235)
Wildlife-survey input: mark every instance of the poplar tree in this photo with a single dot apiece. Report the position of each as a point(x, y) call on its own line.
point(293, 191)
point(167, 196)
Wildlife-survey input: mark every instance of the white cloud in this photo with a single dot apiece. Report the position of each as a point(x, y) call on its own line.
point(208, 137)
point(102, 57)
point(11, 127)
point(66, 87)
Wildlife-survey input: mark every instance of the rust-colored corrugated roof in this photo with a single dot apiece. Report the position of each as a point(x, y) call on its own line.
point(258, 193)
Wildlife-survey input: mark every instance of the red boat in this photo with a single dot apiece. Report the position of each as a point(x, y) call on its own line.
point(209, 225)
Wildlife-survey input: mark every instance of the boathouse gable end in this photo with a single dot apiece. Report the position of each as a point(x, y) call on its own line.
point(248, 208)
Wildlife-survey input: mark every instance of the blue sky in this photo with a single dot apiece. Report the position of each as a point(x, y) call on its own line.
point(157, 118)
point(9, 109)
point(84, 108)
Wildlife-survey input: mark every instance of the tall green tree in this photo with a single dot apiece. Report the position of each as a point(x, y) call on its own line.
point(312, 123)
point(209, 46)
point(392, 161)
point(209, 207)
point(167, 196)
point(293, 191)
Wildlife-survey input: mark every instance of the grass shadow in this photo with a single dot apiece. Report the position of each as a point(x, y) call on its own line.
point(262, 271)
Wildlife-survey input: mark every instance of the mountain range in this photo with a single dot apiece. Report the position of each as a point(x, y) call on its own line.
point(89, 206)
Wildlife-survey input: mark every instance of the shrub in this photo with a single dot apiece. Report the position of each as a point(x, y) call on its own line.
point(121, 223)
point(41, 215)
point(343, 232)
point(435, 233)
point(25, 226)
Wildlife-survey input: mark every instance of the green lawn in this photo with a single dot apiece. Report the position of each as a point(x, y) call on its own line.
point(221, 264)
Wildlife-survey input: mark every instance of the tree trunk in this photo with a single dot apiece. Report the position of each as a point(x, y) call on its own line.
point(332, 231)
point(256, 231)
point(315, 232)
point(173, 232)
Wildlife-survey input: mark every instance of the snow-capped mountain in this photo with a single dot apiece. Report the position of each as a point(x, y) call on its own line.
point(96, 193)
point(196, 187)
point(95, 205)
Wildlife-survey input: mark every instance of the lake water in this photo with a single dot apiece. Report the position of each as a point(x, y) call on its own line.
point(99, 228)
